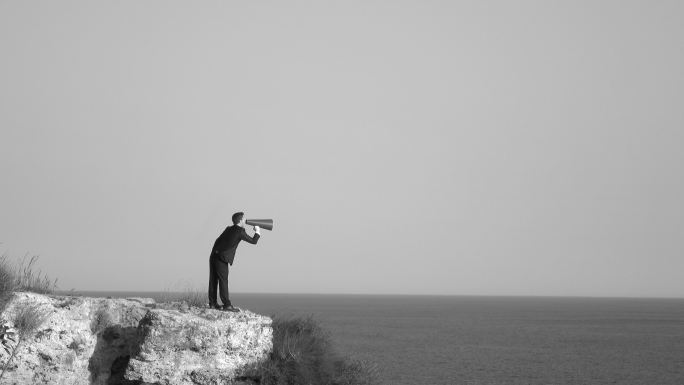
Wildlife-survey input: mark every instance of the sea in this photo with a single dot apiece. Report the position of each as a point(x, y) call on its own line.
point(480, 340)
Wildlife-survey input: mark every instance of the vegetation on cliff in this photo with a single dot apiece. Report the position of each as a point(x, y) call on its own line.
point(29, 318)
point(22, 275)
point(303, 354)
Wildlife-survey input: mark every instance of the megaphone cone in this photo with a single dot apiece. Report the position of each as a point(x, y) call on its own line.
point(263, 223)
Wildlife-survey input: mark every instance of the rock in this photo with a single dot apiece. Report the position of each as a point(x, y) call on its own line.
point(199, 347)
point(111, 341)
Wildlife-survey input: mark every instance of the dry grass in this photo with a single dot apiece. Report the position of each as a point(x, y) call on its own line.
point(7, 282)
point(302, 354)
point(194, 298)
point(28, 319)
point(23, 275)
point(30, 278)
point(190, 296)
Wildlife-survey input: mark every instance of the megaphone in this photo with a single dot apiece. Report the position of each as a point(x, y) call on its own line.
point(263, 223)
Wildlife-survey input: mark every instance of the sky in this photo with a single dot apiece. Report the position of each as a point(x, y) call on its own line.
point(401, 147)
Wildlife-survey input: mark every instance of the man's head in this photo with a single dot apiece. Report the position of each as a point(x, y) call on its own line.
point(238, 217)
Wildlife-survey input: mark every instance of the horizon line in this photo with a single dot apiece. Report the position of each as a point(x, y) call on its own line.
point(387, 294)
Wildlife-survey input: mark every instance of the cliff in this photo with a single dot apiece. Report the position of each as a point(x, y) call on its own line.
point(133, 341)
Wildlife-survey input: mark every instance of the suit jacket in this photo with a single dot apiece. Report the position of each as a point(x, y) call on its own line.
point(227, 243)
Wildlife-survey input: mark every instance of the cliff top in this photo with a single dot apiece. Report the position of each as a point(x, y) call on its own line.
point(86, 340)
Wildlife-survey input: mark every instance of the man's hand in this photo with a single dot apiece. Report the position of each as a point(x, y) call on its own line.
point(256, 230)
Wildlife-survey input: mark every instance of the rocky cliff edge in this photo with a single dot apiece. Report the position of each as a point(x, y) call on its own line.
point(134, 341)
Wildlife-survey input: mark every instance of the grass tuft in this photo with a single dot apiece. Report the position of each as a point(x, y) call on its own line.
point(29, 318)
point(23, 275)
point(194, 298)
point(190, 296)
point(29, 278)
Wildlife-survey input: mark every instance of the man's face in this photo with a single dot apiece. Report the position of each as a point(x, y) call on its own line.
point(242, 222)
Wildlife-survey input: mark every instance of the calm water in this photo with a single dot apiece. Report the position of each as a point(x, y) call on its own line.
point(497, 340)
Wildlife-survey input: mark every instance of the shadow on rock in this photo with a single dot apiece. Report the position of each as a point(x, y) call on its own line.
point(114, 348)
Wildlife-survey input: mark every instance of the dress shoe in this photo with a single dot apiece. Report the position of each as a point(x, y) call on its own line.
point(230, 308)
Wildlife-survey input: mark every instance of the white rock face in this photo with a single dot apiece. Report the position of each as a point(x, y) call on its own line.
point(133, 341)
point(203, 347)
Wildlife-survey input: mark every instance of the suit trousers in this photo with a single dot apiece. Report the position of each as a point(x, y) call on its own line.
point(218, 274)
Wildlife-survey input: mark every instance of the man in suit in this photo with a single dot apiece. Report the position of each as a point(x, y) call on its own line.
point(222, 255)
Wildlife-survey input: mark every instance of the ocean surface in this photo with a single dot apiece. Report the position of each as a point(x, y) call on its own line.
point(421, 340)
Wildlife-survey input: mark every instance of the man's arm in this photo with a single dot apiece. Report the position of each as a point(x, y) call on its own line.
point(245, 237)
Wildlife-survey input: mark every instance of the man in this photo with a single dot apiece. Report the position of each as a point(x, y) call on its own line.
point(222, 255)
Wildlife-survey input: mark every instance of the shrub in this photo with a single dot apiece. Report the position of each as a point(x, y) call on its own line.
point(303, 354)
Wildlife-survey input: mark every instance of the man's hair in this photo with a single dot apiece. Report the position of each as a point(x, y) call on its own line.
point(237, 217)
